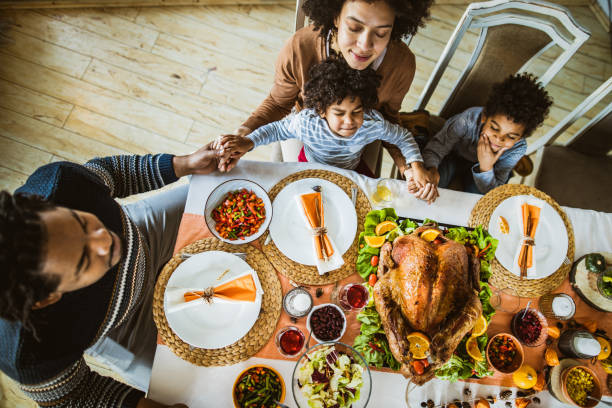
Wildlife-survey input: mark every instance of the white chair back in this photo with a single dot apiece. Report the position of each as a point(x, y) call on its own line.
point(513, 34)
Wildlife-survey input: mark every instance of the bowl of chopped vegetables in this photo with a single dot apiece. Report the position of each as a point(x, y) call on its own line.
point(504, 353)
point(577, 383)
point(258, 386)
point(238, 211)
point(331, 374)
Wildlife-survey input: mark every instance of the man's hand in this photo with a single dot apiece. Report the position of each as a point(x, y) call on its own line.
point(202, 161)
point(228, 162)
point(486, 157)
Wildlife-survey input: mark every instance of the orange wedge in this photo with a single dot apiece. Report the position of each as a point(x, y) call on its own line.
point(504, 228)
point(385, 227)
point(374, 242)
point(430, 234)
point(480, 327)
point(419, 345)
point(471, 346)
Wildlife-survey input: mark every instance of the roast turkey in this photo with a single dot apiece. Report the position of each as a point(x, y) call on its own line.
point(429, 287)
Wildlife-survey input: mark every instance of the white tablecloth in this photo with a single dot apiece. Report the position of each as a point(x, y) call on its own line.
point(174, 380)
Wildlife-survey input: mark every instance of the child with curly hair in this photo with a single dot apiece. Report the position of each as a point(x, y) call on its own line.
point(485, 143)
point(338, 122)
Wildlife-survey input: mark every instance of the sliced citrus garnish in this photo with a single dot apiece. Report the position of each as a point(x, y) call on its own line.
point(385, 227)
point(471, 346)
point(419, 345)
point(525, 377)
point(480, 327)
point(430, 234)
point(605, 348)
point(504, 228)
point(374, 242)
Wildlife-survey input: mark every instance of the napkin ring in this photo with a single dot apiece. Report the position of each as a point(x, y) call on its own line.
point(319, 231)
point(527, 240)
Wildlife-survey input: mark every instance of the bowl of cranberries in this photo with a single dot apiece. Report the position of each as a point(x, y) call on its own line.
point(530, 327)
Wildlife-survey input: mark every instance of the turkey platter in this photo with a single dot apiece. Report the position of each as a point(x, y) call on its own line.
point(429, 287)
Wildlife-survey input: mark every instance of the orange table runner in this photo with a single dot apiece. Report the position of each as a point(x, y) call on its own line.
point(193, 227)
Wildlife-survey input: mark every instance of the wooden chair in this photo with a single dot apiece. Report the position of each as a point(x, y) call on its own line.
point(288, 150)
point(577, 172)
point(512, 36)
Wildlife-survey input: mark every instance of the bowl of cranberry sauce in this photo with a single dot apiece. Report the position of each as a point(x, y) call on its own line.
point(530, 327)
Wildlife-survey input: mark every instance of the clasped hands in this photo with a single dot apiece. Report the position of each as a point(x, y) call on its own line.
point(422, 182)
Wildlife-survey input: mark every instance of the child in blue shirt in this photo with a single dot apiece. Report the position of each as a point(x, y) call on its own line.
point(485, 143)
point(337, 123)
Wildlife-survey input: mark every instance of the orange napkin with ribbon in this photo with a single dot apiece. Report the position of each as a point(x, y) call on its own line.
point(530, 215)
point(239, 289)
point(322, 243)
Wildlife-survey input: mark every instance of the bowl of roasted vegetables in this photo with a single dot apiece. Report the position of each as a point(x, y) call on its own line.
point(578, 383)
point(238, 211)
point(258, 386)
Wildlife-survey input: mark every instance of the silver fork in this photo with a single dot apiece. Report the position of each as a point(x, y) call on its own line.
point(241, 255)
point(354, 190)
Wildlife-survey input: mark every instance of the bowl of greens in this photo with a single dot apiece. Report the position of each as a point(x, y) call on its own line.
point(331, 374)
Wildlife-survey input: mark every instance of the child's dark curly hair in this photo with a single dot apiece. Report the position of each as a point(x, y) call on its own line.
point(22, 241)
point(333, 80)
point(522, 98)
point(409, 14)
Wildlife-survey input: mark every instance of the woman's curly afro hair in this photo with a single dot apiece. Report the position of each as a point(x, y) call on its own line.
point(409, 14)
point(522, 98)
point(22, 242)
point(333, 80)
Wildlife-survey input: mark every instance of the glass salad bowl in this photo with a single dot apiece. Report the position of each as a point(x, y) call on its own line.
point(334, 373)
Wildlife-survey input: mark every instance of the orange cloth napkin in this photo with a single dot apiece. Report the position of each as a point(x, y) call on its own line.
point(308, 204)
point(534, 212)
point(240, 289)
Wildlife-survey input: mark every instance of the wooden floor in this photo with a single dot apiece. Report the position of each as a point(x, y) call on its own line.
point(75, 84)
point(79, 83)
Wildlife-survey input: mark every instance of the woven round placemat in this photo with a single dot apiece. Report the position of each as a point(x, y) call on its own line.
point(500, 276)
point(259, 334)
point(305, 274)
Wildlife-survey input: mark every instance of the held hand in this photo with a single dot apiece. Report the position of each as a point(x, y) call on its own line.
point(410, 183)
point(229, 161)
point(486, 157)
point(420, 175)
point(428, 193)
point(202, 161)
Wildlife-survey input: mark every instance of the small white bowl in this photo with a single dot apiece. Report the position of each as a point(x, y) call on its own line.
point(319, 307)
point(217, 196)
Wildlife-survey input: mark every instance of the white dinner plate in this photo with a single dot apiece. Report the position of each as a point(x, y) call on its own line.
point(290, 232)
point(212, 325)
point(550, 238)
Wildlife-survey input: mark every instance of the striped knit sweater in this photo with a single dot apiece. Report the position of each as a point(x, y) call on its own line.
point(52, 371)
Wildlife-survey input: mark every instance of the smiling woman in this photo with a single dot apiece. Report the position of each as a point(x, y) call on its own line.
point(365, 34)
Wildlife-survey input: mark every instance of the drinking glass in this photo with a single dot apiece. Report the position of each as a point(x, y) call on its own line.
point(383, 195)
point(505, 299)
point(557, 306)
point(290, 341)
point(352, 296)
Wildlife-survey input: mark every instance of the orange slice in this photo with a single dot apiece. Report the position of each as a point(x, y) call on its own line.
point(605, 348)
point(374, 242)
point(385, 227)
point(504, 228)
point(480, 327)
point(419, 345)
point(430, 234)
point(525, 377)
point(471, 346)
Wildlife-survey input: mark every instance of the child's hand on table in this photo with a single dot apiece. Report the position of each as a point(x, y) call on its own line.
point(429, 191)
